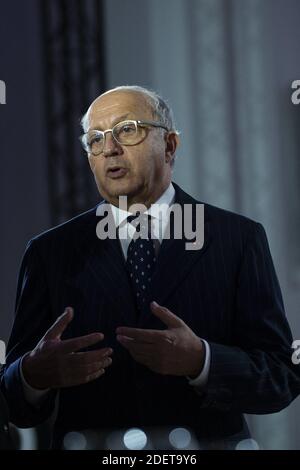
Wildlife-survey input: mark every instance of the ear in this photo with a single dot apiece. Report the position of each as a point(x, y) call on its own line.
point(172, 142)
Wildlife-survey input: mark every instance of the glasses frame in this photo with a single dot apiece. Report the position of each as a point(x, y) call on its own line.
point(83, 137)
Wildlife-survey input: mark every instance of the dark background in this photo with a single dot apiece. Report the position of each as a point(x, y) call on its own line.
point(226, 67)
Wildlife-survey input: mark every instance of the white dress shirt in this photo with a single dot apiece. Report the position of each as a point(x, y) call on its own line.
point(160, 220)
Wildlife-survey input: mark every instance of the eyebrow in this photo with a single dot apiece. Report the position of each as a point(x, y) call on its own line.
point(116, 121)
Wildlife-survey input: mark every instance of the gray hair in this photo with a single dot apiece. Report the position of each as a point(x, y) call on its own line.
point(160, 108)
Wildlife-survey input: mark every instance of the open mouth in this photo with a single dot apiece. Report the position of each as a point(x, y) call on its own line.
point(116, 172)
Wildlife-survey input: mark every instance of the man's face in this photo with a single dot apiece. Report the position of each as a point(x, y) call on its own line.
point(145, 170)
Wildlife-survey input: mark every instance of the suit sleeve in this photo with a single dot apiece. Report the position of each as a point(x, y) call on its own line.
point(32, 319)
point(255, 373)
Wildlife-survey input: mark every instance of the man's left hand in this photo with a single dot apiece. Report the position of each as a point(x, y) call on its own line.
point(174, 351)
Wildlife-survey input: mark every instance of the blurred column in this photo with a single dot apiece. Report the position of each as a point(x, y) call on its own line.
point(74, 66)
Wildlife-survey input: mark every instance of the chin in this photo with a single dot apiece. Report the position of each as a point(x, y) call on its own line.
point(120, 189)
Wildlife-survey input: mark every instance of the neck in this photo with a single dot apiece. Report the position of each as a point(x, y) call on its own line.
point(140, 199)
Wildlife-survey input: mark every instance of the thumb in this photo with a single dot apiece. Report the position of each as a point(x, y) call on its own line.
point(59, 326)
point(165, 315)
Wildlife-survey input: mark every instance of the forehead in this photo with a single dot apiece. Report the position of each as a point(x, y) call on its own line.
point(111, 107)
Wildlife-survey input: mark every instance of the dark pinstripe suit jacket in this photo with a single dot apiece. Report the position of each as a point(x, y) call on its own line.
point(227, 292)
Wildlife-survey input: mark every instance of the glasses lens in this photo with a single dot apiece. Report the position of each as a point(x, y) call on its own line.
point(94, 142)
point(128, 133)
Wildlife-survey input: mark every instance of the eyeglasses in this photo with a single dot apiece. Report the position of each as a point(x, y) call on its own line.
point(125, 133)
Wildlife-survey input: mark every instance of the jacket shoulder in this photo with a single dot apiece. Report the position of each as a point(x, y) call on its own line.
point(221, 215)
point(69, 230)
point(216, 215)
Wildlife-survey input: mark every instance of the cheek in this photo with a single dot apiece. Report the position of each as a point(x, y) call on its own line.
point(142, 168)
point(92, 163)
point(96, 166)
point(146, 160)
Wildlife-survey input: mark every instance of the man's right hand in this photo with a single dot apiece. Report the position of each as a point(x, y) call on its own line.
point(54, 363)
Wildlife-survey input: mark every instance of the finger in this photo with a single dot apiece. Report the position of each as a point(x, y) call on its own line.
point(89, 357)
point(86, 358)
point(124, 341)
point(72, 373)
point(141, 359)
point(154, 337)
point(140, 348)
point(74, 344)
point(84, 379)
point(94, 376)
point(138, 334)
point(59, 326)
point(166, 336)
point(90, 368)
point(166, 316)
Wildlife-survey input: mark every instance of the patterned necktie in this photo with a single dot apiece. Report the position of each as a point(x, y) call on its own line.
point(141, 259)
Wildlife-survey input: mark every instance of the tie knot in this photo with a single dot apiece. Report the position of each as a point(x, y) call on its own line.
point(142, 224)
point(140, 215)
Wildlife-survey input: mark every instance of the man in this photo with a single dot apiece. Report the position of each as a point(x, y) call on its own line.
point(197, 340)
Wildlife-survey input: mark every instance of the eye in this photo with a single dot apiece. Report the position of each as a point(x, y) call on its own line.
point(127, 128)
point(95, 140)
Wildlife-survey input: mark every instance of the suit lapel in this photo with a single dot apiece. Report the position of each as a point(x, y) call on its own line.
point(174, 260)
point(105, 263)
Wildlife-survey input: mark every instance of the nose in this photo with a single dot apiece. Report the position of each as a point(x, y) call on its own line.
point(111, 147)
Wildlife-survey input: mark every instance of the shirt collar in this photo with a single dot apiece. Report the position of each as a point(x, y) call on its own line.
point(158, 210)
